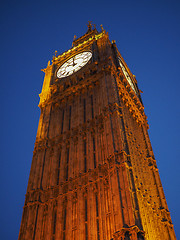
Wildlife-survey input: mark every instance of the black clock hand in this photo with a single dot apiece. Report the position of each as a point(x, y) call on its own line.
point(74, 62)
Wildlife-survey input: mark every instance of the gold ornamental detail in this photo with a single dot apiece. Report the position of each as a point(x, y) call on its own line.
point(132, 103)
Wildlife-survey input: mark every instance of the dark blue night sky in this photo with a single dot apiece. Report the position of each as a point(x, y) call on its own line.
point(147, 34)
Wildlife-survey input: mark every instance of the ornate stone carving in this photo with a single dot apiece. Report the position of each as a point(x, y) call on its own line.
point(130, 233)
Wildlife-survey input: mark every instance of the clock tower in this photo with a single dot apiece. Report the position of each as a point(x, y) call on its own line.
point(93, 174)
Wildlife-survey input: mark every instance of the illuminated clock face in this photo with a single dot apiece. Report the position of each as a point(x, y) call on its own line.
point(127, 75)
point(74, 64)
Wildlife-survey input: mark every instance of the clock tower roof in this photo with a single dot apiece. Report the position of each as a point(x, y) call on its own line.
point(92, 31)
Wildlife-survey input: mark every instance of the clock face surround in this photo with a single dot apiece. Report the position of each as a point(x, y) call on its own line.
point(127, 75)
point(74, 64)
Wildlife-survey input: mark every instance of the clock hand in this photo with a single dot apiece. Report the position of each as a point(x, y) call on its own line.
point(73, 62)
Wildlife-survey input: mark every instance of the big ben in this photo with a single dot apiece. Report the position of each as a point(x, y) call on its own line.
point(93, 174)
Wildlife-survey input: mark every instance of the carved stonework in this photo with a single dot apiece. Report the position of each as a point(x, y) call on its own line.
point(93, 173)
point(129, 233)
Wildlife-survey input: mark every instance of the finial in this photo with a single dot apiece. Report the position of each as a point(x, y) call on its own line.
point(48, 63)
point(89, 26)
point(54, 56)
point(102, 27)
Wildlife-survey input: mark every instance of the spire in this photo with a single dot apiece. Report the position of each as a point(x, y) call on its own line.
point(102, 27)
point(89, 26)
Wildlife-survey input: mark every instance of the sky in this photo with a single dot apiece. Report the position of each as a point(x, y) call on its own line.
point(147, 34)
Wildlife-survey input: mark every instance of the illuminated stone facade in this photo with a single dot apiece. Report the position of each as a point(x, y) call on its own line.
point(93, 173)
